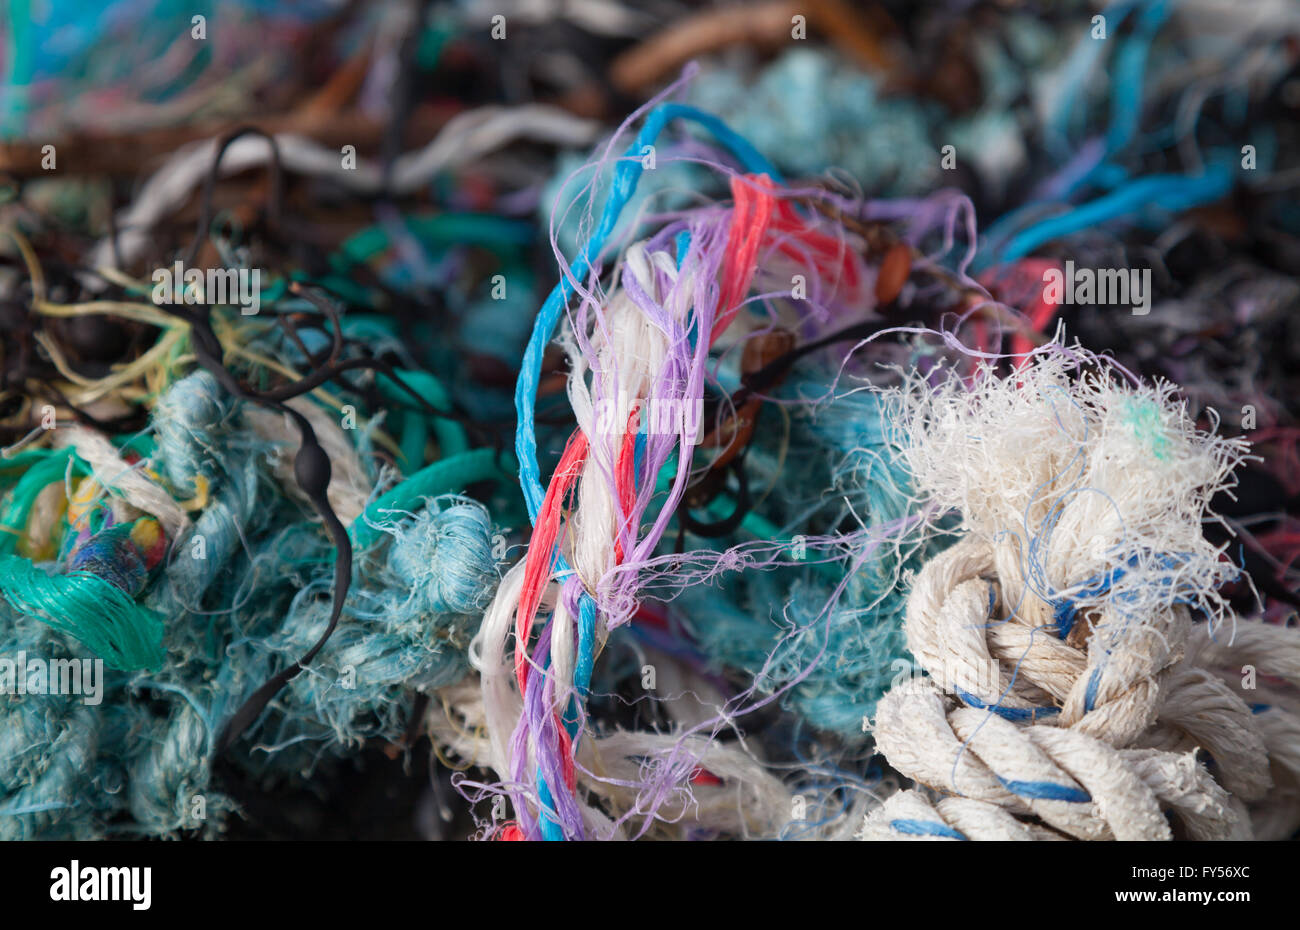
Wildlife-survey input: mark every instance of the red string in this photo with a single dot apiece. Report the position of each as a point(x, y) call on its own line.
point(625, 480)
point(749, 221)
point(541, 549)
point(566, 753)
point(702, 776)
point(827, 250)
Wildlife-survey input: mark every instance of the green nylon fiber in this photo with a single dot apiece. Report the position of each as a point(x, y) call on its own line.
point(340, 286)
point(451, 435)
point(106, 619)
point(13, 110)
point(500, 234)
point(451, 474)
point(114, 627)
point(415, 433)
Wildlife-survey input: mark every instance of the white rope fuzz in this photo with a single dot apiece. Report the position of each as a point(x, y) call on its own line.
point(1071, 692)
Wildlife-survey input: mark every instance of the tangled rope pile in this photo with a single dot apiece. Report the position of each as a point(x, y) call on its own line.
point(816, 525)
point(423, 567)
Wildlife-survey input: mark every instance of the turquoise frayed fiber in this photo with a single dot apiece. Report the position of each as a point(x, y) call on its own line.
point(407, 628)
point(169, 775)
point(778, 619)
point(55, 783)
point(445, 554)
point(189, 421)
point(200, 558)
point(808, 113)
point(246, 590)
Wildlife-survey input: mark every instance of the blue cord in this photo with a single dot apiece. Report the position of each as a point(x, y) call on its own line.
point(1173, 192)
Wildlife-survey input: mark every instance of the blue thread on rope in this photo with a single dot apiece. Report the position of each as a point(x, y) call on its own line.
point(926, 828)
point(1090, 695)
point(1064, 611)
point(1008, 713)
point(1045, 791)
point(638, 458)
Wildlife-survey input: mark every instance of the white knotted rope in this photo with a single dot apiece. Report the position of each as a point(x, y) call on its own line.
point(1069, 689)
